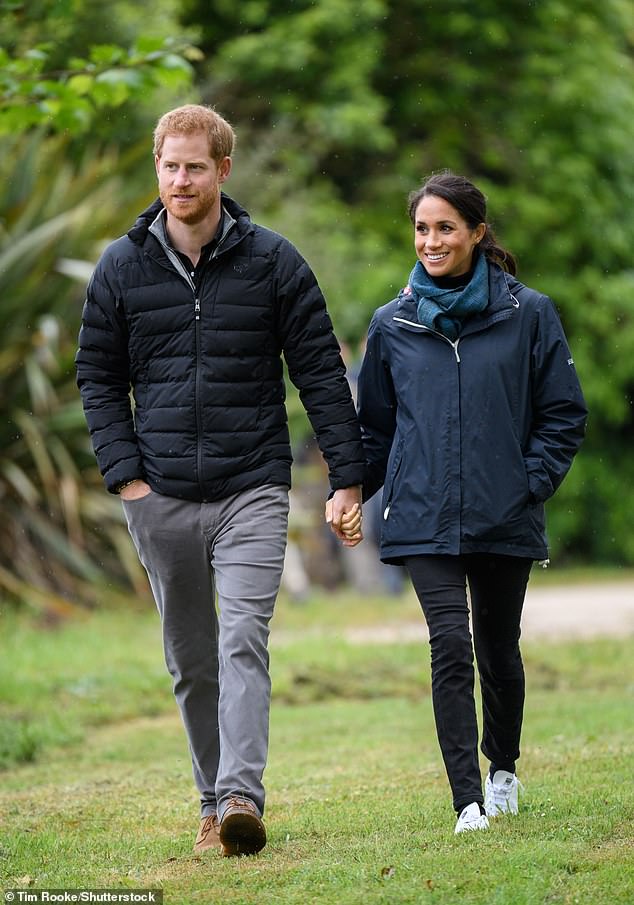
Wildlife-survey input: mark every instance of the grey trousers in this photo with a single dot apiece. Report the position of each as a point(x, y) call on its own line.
point(231, 551)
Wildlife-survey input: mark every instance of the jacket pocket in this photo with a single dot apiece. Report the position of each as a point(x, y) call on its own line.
point(496, 505)
point(388, 490)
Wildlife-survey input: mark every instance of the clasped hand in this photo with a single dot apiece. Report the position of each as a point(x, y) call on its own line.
point(344, 515)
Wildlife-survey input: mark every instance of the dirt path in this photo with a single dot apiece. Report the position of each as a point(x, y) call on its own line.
point(558, 613)
point(580, 611)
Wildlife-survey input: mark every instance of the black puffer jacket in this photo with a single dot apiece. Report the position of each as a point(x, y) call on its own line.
point(206, 373)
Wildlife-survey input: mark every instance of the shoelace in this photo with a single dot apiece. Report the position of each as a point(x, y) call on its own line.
point(239, 802)
point(209, 824)
point(480, 820)
point(501, 794)
point(474, 823)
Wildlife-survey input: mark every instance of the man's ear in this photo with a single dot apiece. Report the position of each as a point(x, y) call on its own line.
point(157, 163)
point(224, 169)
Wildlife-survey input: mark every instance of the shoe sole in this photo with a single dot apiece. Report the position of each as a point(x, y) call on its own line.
point(207, 846)
point(500, 812)
point(242, 834)
point(470, 828)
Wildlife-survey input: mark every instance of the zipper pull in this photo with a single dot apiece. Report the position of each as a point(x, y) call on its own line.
point(387, 511)
point(197, 308)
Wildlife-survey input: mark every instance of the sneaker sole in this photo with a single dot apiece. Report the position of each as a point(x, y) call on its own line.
point(500, 812)
point(471, 828)
point(242, 834)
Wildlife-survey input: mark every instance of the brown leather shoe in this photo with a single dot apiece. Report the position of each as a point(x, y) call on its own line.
point(208, 836)
point(241, 830)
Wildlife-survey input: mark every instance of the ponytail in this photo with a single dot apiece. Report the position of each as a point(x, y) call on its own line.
point(495, 253)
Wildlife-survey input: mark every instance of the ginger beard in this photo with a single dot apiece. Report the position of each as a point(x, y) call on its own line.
point(192, 205)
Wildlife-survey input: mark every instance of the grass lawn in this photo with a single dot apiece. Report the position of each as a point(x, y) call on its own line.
point(96, 787)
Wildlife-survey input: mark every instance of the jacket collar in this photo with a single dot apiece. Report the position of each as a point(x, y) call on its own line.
point(158, 228)
point(502, 303)
point(238, 217)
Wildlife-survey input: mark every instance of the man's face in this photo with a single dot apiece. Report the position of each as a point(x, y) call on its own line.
point(189, 179)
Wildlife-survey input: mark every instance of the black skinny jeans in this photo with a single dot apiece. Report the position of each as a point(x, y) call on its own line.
point(497, 586)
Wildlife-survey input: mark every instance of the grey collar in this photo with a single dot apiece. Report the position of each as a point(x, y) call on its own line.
point(158, 228)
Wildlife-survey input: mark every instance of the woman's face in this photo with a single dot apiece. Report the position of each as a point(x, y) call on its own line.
point(444, 242)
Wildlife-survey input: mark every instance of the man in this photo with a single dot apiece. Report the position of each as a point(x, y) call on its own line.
point(193, 310)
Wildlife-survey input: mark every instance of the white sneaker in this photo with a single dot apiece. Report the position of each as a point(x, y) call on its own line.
point(500, 793)
point(471, 819)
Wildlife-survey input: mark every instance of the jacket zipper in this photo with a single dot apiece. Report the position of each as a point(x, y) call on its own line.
point(183, 272)
point(230, 224)
point(423, 329)
point(454, 346)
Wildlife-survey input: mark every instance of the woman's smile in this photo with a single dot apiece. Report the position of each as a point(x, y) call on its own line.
point(444, 242)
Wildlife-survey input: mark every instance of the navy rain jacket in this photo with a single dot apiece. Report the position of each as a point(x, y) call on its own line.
point(205, 366)
point(469, 438)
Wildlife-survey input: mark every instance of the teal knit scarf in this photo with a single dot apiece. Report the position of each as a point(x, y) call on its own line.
point(445, 309)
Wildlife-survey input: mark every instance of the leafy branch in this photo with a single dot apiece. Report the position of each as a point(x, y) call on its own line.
point(67, 100)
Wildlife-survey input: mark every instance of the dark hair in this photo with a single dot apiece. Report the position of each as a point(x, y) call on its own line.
point(472, 207)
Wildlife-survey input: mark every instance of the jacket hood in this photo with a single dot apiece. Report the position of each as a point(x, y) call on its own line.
point(139, 231)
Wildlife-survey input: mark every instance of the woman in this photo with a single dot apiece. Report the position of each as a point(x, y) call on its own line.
point(471, 413)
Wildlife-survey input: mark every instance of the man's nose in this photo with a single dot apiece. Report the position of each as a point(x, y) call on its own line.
point(182, 176)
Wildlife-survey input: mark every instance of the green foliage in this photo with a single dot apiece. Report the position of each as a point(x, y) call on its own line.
point(340, 110)
point(567, 209)
point(54, 75)
point(61, 537)
point(531, 100)
point(69, 100)
point(19, 743)
point(307, 66)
